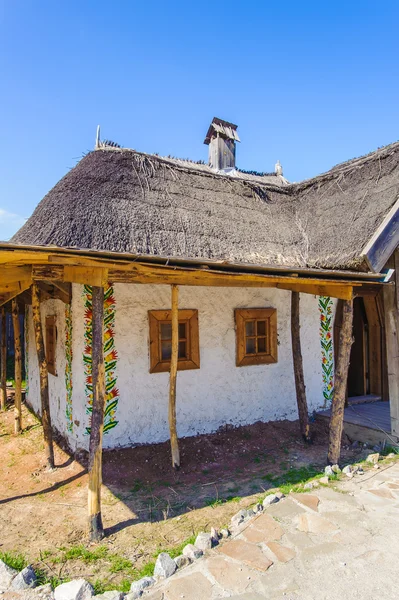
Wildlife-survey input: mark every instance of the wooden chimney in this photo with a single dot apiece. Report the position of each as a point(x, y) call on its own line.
point(221, 139)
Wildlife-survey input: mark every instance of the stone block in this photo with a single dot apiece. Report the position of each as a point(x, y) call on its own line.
point(25, 579)
point(165, 566)
point(192, 552)
point(203, 541)
point(7, 574)
point(247, 553)
point(308, 500)
point(282, 553)
point(77, 589)
point(137, 588)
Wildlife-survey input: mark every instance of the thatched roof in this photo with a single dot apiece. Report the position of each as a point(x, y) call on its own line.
point(126, 201)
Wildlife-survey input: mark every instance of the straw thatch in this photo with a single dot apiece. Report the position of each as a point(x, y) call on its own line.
point(122, 200)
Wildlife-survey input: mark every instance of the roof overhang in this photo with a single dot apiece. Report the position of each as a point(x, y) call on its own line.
point(22, 265)
point(384, 242)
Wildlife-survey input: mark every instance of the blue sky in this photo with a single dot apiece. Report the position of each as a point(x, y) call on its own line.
point(309, 83)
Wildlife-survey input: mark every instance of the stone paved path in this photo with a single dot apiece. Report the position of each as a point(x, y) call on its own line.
point(325, 545)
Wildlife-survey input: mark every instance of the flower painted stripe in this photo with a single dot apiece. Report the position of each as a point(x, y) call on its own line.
point(327, 350)
point(110, 357)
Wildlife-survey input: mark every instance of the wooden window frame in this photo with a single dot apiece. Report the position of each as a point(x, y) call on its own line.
point(189, 316)
point(51, 323)
point(243, 315)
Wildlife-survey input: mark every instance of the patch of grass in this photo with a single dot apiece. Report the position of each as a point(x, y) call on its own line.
point(146, 571)
point(119, 563)
point(124, 586)
point(15, 560)
point(233, 499)
point(389, 450)
point(88, 556)
point(137, 486)
point(257, 460)
point(213, 502)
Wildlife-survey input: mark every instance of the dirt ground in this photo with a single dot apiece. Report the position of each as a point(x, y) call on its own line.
point(147, 506)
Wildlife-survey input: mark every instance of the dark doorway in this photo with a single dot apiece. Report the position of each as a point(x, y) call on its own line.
point(359, 369)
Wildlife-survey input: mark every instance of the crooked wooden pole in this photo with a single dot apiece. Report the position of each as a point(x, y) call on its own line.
point(18, 368)
point(96, 530)
point(43, 373)
point(3, 359)
point(172, 378)
point(340, 383)
point(298, 368)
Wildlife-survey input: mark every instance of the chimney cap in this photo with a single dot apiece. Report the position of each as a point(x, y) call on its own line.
point(224, 128)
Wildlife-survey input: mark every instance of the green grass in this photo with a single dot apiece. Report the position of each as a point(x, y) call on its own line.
point(119, 563)
point(15, 560)
point(88, 556)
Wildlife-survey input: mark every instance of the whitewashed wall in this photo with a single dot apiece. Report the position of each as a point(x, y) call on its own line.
point(217, 393)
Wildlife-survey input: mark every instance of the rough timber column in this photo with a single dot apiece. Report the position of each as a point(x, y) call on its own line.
point(340, 383)
point(3, 359)
point(172, 378)
point(18, 367)
point(44, 394)
point(392, 340)
point(96, 530)
point(298, 368)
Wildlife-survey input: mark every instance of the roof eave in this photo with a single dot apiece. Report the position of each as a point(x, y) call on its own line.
point(384, 241)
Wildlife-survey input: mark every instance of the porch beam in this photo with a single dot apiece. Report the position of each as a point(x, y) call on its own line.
point(340, 384)
point(172, 378)
point(8, 294)
point(43, 373)
point(96, 530)
point(3, 359)
point(18, 368)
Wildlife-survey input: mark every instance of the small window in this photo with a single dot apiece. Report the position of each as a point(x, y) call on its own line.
point(51, 344)
point(256, 336)
point(161, 340)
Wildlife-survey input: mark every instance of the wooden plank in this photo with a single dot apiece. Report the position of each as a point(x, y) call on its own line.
point(43, 377)
point(392, 342)
point(47, 272)
point(172, 379)
point(96, 530)
point(6, 297)
point(18, 368)
point(13, 274)
point(384, 241)
point(3, 359)
point(97, 277)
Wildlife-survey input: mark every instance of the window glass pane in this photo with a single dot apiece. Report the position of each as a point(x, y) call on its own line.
point(261, 344)
point(182, 350)
point(166, 331)
point(250, 346)
point(249, 328)
point(182, 330)
point(261, 327)
point(166, 350)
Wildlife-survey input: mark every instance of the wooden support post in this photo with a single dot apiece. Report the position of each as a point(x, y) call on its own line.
point(18, 368)
point(298, 368)
point(392, 345)
point(3, 359)
point(44, 394)
point(340, 383)
point(96, 531)
point(172, 379)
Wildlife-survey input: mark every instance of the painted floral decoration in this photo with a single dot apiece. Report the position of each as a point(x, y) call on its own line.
point(327, 350)
point(110, 357)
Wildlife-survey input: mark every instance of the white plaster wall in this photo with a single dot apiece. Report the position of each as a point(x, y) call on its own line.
point(217, 393)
